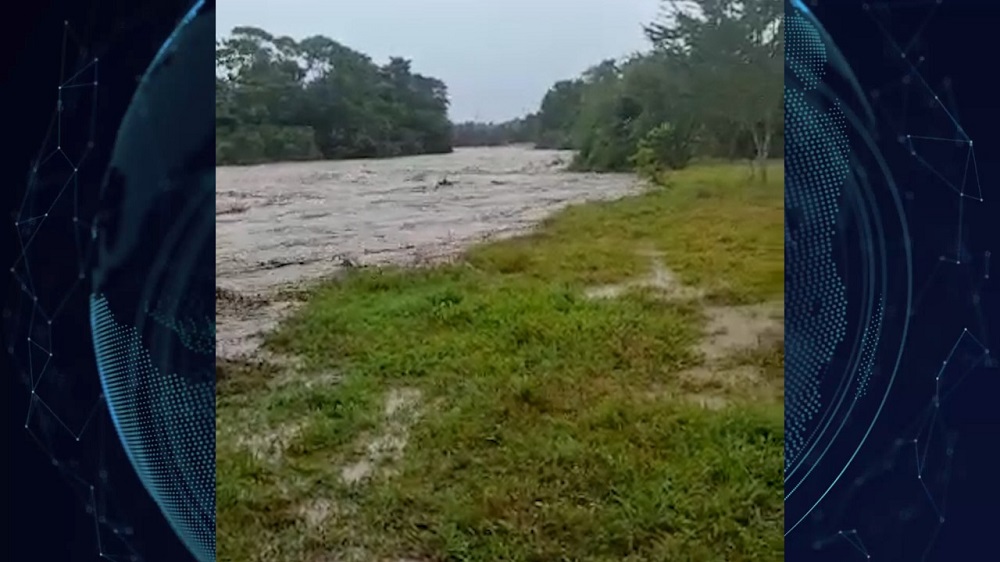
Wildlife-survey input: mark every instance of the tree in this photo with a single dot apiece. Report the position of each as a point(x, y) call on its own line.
point(279, 99)
point(559, 112)
point(710, 86)
point(732, 51)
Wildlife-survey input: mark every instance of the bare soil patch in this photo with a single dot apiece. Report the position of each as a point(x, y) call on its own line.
point(729, 331)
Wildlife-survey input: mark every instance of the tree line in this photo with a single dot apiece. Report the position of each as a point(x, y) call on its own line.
point(281, 99)
point(710, 85)
point(523, 130)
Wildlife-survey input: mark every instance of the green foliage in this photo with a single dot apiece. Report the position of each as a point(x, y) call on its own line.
point(559, 112)
point(663, 147)
point(735, 55)
point(254, 144)
point(278, 99)
point(718, 74)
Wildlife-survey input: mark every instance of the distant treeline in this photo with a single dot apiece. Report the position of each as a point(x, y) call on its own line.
point(711, 85)
point(281, 99)
point(515, 131)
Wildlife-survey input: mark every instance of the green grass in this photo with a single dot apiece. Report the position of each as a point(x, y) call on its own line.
point(551, 427)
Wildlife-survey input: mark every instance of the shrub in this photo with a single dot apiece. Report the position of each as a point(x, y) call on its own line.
point(664, 147)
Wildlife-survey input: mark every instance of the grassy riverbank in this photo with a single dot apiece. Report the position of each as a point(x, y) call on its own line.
point(565, 395)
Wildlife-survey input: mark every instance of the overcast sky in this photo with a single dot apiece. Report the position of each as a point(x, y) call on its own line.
point(498, 57)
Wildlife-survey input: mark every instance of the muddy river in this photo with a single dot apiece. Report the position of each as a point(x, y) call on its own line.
point(282, 225)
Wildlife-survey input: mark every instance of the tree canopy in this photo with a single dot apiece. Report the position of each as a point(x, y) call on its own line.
point(281, 99)
point(710, 85)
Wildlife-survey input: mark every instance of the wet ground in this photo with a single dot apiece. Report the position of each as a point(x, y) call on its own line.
point(283, 225)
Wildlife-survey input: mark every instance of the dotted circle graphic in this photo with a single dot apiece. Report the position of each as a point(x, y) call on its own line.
point(804, 52)
point(154, 416)
point(842, 207)
point(875, 473)
point(816, 303)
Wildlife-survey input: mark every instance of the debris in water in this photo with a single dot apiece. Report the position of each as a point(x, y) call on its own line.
point(348, 262)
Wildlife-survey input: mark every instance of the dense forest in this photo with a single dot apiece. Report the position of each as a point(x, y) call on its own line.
point(710, 85)
point(281, 99)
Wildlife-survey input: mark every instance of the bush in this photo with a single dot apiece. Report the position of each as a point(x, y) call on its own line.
point(664, 147)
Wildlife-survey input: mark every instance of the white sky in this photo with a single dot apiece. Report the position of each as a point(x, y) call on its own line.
point(498, 57)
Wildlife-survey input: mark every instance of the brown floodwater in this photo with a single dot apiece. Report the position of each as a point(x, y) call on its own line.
point(286, 224)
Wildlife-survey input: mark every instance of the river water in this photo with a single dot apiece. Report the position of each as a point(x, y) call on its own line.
point(282, 225)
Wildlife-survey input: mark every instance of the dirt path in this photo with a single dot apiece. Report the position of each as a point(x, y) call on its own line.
point(282, 225)
point(729, 331)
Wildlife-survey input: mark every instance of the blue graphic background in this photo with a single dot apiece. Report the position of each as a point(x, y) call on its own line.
point(893, 430)
point(78, 494)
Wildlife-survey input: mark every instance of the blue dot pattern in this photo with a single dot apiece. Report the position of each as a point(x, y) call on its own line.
point(804, 52)
point(816, 165)
point(160, 419)
point(868, 348)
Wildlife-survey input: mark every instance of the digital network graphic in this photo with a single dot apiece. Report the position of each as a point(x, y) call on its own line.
point(109, 323)
point(891, 217)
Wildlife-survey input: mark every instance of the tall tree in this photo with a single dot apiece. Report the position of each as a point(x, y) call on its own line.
point(732, 51)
